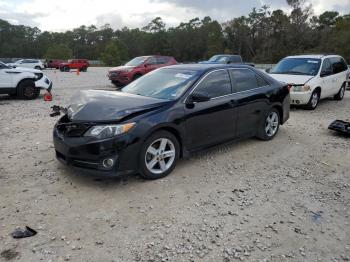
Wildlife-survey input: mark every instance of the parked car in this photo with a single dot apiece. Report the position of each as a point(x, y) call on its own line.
point(54, 63)
point(23, 82)
point(168, 113)
point(80, 64)
point(225, 59)
point(313, 77)
point(28, 63)
point(137, 67)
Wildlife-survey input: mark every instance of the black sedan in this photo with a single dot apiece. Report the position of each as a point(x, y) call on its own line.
point(168, 114)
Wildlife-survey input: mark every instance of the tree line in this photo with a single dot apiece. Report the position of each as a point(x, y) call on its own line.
point(262, 36)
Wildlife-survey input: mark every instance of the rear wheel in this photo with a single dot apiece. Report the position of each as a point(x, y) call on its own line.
point(37, 68)
point(66, 69)
point(340, 95)
point(314, 99)
point(83, 69)
point(27, 90)
point(270, 125)
point(159, 155)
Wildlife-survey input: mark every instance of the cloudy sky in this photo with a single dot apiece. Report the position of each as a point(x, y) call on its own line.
point(61, 15)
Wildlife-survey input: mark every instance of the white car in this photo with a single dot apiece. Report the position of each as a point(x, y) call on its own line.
point(25, 83)
point(313, 77)
point(28, 63)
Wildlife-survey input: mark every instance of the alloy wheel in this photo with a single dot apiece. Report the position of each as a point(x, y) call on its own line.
point(271, 124)
point(314, 99)
point(160, 156)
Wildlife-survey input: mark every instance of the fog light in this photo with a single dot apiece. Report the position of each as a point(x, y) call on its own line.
point(108, 163)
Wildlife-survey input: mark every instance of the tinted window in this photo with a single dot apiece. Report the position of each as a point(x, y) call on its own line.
point(326, 67)
point(235, 59)
point(261, 81)
point(338, 65)
point(245, 79)
point(216, 84)
point(297, 66)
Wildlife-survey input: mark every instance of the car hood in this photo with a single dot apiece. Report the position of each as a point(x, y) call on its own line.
point(121, 68)
point(102, 106)
point(23, 69)
point(292, 79)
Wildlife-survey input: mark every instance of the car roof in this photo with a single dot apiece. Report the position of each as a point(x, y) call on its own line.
point(207, 67)
point(313, 56)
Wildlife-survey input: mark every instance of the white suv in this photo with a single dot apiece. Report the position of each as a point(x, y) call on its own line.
point(313, 77)
point(23, 82)
point(28, 63)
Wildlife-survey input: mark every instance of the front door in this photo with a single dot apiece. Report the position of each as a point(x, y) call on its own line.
point(212, 121)
point(5, 78)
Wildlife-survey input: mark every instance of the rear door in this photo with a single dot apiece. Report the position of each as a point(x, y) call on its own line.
point(250, 99)
point(212, 121)
point(339, 71)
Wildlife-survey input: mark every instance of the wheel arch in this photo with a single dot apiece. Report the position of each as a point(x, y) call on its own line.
point(25, 79)
point(279, 108)
point(171, 129)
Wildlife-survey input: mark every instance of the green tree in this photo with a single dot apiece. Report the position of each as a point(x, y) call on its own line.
point(114, 54)
point(58, 51)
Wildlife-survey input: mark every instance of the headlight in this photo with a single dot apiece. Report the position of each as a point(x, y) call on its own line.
point(38, 76)
point(304, 88)
point(106, 131)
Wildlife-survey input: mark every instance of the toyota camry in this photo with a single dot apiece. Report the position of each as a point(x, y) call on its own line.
point(168, 114)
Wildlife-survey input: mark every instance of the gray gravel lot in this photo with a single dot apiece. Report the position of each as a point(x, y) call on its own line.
point(283, 200)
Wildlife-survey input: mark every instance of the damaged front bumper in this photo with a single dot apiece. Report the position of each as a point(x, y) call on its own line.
point(44, 83)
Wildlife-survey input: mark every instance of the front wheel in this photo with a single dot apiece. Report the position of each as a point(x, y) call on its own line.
point(340, 95)
point(159, 155)
point(27, 90)
point(37, 68)
point(270, 125)
point(314, 99)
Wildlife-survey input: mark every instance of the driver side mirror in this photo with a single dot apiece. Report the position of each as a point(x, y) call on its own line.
point(198, 97)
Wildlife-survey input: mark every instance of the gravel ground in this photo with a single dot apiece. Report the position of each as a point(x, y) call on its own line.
point(283, 200)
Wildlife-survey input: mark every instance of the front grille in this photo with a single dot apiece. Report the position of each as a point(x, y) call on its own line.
point(114, 73)
point(71, 129)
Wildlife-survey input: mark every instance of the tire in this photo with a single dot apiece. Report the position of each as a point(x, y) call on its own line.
point(61, 69)
point(117, 84)
point(27, 90)
point(136, 76)
point(66, 69)
point(269, 125)
point(155, 165)
point(340, 95)
point(37, 68)
point(83, 69)
point(314, 99)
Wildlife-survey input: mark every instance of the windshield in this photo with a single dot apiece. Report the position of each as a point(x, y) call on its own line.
point(297, 66)
point(164, 83)
point(137, 61)
point(218, 58)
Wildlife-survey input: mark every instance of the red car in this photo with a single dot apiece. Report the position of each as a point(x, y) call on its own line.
point(81, 64)
point(137, 67)
point(54, 63)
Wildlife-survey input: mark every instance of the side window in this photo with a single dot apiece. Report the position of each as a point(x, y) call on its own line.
point(162, 60)
point(152, 61)
point(261, 81)
point(216, 84)
point(245, 79)
point(326, 67)
point(337, 64)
